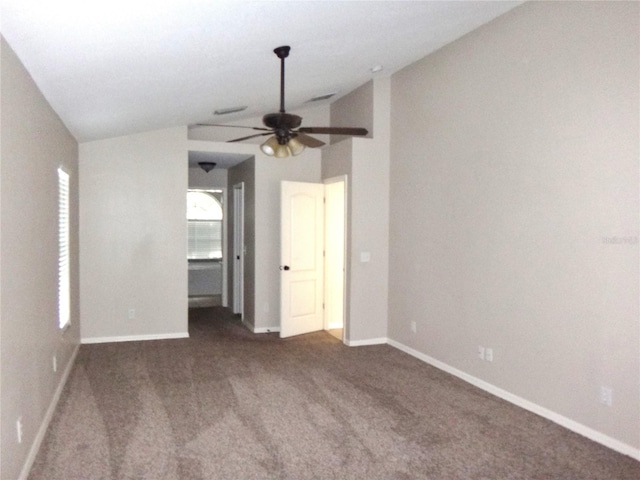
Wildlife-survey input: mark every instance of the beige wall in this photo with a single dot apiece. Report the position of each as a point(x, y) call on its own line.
point(133, 236)
point(34, 144)
point(514, 210)
point(216, 178)
point(354, 110)
point(365, 161)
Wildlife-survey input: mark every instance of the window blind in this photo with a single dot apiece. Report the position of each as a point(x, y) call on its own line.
point(64, 277)
point(205, 239)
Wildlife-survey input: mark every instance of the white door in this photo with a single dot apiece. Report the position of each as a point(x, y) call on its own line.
point(301, 262)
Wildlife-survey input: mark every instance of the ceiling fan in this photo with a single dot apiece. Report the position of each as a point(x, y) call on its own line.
point(288, 137)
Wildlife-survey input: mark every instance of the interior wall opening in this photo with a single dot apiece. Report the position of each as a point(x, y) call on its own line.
point(205, 249)
point(335, 243)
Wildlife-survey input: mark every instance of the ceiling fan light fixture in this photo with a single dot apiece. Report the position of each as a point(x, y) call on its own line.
point(207, 166)
point(282, 151)
point(296, 146)
point(269, 147)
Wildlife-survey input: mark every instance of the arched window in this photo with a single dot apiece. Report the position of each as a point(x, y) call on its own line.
point(204, 220)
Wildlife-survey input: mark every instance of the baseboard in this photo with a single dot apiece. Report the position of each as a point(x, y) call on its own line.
point(362, 343)
point(135, 338)
point(265, 330)
point(252, 328)
point(37, 441)
point(561, 420)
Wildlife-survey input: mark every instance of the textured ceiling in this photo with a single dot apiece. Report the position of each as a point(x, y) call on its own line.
point(117, 67)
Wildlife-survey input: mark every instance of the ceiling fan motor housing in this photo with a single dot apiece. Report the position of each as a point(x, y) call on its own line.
point(282, 124)
point(281, 120)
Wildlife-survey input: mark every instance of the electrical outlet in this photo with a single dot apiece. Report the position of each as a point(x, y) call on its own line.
point(414, 327)
point(606, 396)
point(55, 364)
point(488, 354)
point(481, 353)
point(132, 313)
point(19, 429)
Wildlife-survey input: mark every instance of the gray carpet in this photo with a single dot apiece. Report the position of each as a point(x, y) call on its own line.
point(228, 404)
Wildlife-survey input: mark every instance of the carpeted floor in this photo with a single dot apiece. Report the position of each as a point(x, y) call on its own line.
point(228, 404)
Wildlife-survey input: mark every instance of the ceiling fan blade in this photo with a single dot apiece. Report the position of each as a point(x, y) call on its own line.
point(250, 136)
point(334, 130)
point(230, 126)
point(308, 141)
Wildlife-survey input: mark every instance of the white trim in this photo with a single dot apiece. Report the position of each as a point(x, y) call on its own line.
point(266, 330)
point(225, 249)
point(254, 329)
point(362, 343)
point(135, 338)
point(37, 441)
point(345, 219)
point(561, 420)
point(237, 265)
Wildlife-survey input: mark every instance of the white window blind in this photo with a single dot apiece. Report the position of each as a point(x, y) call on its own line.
point(64, 277)
point(205, 239)
point(204, 221)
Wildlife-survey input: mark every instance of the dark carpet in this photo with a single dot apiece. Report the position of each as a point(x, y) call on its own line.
point(229, 404)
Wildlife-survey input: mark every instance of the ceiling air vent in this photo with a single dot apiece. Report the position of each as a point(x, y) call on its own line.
point(226, 111)
point(319, 98)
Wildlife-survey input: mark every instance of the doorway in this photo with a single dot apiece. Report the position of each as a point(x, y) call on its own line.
point(313, 243)
point(205, 247)
point(335, 254)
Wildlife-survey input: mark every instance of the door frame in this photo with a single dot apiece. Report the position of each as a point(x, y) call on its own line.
point(344, 180)
point(238, 249)
point(225, 248)
point(345, 260)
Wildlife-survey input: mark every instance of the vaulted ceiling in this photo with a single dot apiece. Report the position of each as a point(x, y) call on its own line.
point(117, 67)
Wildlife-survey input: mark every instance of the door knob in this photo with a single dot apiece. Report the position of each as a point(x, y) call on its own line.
point(286, 267)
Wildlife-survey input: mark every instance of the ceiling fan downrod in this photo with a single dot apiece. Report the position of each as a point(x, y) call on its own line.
point(282, 53)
